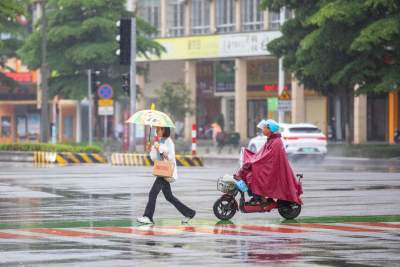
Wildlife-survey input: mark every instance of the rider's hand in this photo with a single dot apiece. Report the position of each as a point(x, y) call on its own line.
point(236, 177)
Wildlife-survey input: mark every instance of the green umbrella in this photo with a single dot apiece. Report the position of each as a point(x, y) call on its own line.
point(151, 118)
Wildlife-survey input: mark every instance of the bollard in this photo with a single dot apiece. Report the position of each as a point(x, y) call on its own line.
point(194, 139)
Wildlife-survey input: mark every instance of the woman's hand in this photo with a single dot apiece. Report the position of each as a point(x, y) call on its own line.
point(157, 146)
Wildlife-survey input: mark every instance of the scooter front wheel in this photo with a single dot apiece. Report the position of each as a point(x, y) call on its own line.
point(225, 207)
point(288, 210)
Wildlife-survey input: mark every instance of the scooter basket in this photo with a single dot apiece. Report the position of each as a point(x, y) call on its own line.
point(225, 186)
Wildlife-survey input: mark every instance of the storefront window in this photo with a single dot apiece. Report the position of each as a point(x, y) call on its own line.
point(33, 126)
point(21, 127)
point(68, 127)
point(5, 126)
point(225, 15)
point(149, 10)
point(224, 76)
point(252, 15)
point(200, 16)
point(176, 18)
point(256, 110)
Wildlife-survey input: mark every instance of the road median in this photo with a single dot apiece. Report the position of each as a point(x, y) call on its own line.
point(136, 159)
point(41, 157)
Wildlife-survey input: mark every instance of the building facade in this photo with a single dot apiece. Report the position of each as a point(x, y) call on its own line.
point(218, 48)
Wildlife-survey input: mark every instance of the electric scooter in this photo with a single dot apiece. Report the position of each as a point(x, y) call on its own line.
point(226, 206)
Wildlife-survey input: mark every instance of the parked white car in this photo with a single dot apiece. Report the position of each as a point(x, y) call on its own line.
point(299, 140)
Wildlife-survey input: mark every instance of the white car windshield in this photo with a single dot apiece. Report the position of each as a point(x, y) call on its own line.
point(304, 130)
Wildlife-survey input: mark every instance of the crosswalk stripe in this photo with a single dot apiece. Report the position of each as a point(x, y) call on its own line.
point(202, 230)
point(13, 236)
point(129, 230)
point(273, 229)
point(63, 232)
point(378, 224)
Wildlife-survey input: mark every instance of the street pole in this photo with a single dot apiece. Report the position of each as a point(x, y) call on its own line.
point(44, 73)
point(281, 73)
point(90, 112)
point(105, 129)
point(132, 73)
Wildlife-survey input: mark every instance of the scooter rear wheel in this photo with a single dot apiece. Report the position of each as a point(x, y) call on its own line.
point(225, 208)
point(288, 210)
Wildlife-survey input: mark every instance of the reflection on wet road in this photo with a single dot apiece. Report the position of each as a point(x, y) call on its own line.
point(85, 216)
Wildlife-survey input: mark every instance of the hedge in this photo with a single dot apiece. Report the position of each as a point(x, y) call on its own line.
point(75, 148)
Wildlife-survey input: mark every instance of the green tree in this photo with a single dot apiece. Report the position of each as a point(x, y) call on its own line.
point(81, 36)
point(334, 45)
point(175, 99)
point(13, 30)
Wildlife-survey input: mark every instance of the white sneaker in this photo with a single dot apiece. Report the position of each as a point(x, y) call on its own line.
point(144, 220)
point(187, 219)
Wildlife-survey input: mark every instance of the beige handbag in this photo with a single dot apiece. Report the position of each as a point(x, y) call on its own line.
point(164, 168)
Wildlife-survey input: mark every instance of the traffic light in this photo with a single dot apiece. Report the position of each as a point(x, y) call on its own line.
point(94, 76)
point(126, 84)
point(124, 39)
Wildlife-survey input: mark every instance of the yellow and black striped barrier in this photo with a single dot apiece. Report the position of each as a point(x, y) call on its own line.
point(67, 157)
point(127, 159)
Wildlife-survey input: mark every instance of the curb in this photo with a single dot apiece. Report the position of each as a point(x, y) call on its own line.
point(67, 157)
point(329, 160)
point(16, 156)
point(128, 159)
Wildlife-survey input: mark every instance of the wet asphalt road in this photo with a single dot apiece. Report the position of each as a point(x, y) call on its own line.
point(85, 216)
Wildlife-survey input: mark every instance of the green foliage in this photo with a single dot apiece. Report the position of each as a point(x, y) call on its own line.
point(334, 45)
point(175, 99)
point(12, 31)
point(75, 148)
point(81, 36)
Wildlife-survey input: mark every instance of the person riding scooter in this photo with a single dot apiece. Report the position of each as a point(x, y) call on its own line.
point(267, 173)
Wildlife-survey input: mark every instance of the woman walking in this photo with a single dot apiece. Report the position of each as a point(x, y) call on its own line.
point(165, 148)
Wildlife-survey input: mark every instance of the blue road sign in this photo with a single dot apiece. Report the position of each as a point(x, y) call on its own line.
point(105, 91)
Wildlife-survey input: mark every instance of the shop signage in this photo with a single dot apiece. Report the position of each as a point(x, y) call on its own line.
point(284, 105)
point(274, 87)
point(214, 46)
point(272, 104)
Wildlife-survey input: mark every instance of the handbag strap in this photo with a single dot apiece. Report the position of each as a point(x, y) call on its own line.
point(159, 155)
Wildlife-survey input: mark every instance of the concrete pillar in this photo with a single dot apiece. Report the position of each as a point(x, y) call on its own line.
point(360, 119)
point(163, 18)
point(238, 16)
point(241, 98)
point(266, 20)
point(213, 16)
point(190, 82)
point(188, 17)
point(140, 81)
point(298, 107)
point(393, 111)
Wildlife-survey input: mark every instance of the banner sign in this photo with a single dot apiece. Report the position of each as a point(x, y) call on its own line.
point(214, 46)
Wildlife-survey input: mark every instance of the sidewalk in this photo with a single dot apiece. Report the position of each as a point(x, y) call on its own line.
point(230, 155)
